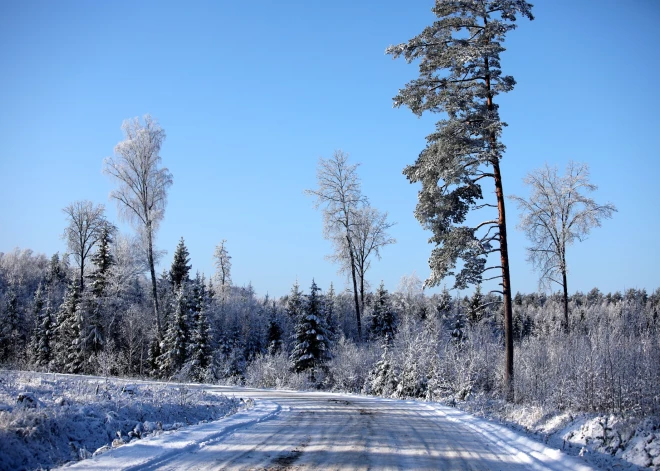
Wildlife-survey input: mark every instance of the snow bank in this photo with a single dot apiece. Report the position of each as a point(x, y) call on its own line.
point(155, 451)
point(607, 441)
point(47, 420)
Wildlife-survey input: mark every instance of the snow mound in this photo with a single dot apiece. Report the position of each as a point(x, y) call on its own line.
point(47, 420)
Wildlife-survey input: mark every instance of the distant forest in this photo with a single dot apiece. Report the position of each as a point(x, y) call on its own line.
point(412, 345)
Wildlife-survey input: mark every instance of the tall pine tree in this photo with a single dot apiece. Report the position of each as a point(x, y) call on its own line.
point(460, 74)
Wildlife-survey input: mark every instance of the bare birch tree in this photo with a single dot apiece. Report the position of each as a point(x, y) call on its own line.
point(223, 268)
point(340, 194)
point(369, 234)
point(86, 222)
point(143, 185)
point(558, 213)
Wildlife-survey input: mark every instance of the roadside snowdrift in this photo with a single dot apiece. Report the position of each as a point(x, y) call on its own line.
point(47, 420)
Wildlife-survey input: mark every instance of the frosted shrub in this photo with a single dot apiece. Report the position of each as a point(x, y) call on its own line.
point(468, 365)
point(603, 364)
point(349, 368)
point(415, 350)
point(269, 371)
point(383, 378)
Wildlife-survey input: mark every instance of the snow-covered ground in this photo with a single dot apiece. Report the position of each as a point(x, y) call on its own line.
point(277, 430)
point(607, 441)
point(47, 420)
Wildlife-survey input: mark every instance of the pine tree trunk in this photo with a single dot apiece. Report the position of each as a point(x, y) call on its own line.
point(504, 255)
point(152, 269)
point(506, 284)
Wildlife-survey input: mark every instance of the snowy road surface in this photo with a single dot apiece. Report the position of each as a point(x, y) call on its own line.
point(294, 430)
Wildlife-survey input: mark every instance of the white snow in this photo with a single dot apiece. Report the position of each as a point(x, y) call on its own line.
point(46, 419)
point(275, 429)
point(152, 451)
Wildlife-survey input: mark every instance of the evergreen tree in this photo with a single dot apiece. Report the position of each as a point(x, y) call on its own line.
point(41, 341)
point(200, 348)
point(312, 347)
point(460, 74)
point(94, 329)
point(68, 355)
point(274, 338)
point(475, 307)
point(153, 357)
point(102, 260)
point(9, 327)
point(174, 347)
point(180, 266)
point(382, 379)
point(294, 304)
point(56, 272)
point(383, 317)
point(330, 300)
point(445, 304)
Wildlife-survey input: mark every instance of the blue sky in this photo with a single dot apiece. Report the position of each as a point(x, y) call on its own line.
point(252, 94)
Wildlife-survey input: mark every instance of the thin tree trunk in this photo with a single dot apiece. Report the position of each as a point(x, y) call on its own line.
point(355, 288)
point(565, 284)
point(362, 290)
point(152, 269)
point(82, 274)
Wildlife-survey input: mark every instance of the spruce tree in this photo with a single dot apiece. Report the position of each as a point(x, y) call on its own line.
point(68, 355)
point(180, 266)
point(200, 348)
point(445, 304)
point(383, 378)
point(383, 317)
point(460, 75)
point(174, 346)
point(9, 327)
point(43, 333)
point(294, 303)
point(330, 300)
point(312, 347)
point(475, 307)
point(94, 329)
point(274, 338)
point(102, 260)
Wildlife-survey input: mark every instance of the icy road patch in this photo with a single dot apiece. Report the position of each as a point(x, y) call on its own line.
point(295, 430)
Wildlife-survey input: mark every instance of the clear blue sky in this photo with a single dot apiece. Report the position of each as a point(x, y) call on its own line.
point(251, 94)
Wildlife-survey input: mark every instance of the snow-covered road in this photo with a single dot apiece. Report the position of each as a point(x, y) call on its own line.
point(295, 430)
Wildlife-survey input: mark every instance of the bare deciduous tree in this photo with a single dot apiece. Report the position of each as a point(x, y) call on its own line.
point(557, 214)
point(369, 235)
point(86, 222)
point(143, 185)
point(340, 195)
point(223, 268)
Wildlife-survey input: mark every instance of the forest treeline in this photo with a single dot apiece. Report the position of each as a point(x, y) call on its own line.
point(413, 345)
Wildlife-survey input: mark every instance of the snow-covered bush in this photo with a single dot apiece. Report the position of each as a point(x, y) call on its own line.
point(349, 367)
point(269, 371)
